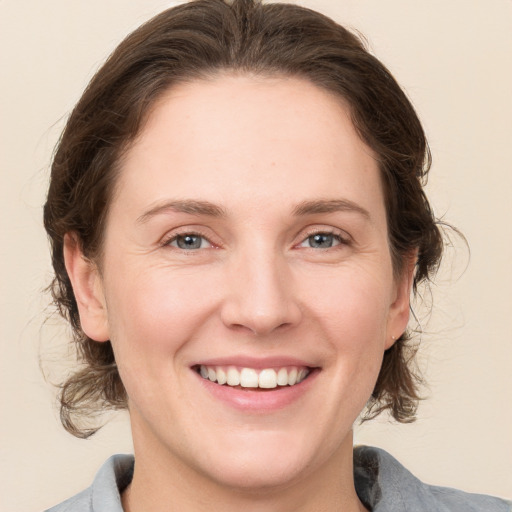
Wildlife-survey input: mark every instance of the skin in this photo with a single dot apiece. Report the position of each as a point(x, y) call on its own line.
point(258, 149)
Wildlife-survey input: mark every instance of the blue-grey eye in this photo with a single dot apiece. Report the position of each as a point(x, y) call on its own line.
point(321, 241)
point(189, 242)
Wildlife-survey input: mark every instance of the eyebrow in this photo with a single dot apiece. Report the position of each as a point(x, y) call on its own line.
point(183, 206)
point(304, 208)
point(329, 206)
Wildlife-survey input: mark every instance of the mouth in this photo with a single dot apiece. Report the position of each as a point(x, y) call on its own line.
point(247, 378)
point(257, 385)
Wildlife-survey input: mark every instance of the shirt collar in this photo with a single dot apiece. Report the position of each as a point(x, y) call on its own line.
point(381, 482)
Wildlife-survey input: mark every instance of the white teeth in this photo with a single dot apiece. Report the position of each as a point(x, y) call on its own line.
point(282, 377)
point(248, 378)
point(221, 376)
point(233, 376)
point(267, 378)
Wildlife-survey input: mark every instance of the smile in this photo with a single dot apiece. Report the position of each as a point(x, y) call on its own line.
point(266, 378)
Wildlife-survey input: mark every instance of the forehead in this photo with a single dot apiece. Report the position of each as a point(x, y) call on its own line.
point(251, 134)
point(232, 108)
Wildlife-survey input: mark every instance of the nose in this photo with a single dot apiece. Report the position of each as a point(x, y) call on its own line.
point(261, 297)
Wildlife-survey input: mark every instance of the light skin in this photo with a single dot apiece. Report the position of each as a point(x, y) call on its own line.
point(287, 258)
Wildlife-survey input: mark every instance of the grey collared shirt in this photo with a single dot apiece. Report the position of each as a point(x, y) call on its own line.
point(382, 484)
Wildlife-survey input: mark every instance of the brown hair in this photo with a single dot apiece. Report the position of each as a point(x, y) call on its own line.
point(198, 40)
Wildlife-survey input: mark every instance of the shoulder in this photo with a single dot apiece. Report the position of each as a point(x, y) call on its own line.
point(81, 502)
point(104, 495)
point(383, 484)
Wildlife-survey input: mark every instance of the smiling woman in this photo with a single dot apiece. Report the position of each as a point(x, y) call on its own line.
point(237, 222)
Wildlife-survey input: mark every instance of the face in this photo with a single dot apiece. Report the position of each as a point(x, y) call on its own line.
point(246, 281)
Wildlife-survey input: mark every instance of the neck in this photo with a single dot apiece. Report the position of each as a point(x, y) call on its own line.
point(163, 482)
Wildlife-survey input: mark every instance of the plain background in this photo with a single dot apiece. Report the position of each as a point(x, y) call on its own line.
point(453, 58)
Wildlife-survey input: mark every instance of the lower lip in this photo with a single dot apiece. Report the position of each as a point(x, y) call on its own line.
point(267, 400)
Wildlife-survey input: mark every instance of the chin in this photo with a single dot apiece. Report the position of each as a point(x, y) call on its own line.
point(259, 476)
point(262, 462)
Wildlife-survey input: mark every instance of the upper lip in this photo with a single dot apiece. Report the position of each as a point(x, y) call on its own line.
point(258, 363)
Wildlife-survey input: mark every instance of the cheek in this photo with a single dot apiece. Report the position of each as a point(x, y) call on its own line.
point(154, 310)
point(351, 303)
point(352, 312)
point(152, 319)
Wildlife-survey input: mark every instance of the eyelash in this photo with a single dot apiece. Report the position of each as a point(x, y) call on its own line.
point(166, 242)
point(342, 240)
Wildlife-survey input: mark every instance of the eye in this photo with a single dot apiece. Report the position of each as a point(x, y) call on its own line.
point(322, 241)
point(189, 242)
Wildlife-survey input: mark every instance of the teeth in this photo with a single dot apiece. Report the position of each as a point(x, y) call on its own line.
point(248, 378)
point(267, 378)
point(233, 376)
point(221, 376)
point(282, 377)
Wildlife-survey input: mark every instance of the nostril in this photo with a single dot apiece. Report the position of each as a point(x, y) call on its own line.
point(260, 327)
point(261, 300)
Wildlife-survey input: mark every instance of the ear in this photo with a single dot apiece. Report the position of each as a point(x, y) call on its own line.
point(399, 311)
point(87, 288)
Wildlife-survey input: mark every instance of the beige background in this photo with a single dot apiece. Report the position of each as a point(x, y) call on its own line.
point(453, 57)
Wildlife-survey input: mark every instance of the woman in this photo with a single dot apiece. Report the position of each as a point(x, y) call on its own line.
point(237, 221)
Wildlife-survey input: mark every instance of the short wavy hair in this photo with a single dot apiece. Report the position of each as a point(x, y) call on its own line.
point(199, 40)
